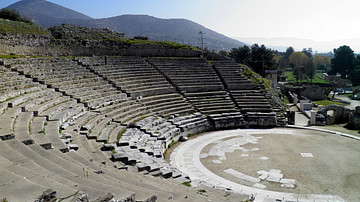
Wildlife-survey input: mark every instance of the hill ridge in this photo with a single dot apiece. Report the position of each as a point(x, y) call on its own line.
point(174, 29)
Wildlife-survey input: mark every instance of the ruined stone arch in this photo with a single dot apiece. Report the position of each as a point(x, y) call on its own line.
point(335, 114)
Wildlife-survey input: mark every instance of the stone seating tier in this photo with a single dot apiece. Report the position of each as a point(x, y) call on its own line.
point(112, 115)
point(214, 102)
point(168, 106)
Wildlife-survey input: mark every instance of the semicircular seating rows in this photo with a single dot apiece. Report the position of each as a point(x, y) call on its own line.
point(63, 117)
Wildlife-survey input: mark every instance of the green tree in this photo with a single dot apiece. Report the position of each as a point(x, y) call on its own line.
point(290, 50)
point(321, 62)
point(298, 61)
point(241, 54)
point(261, 59)
point(11, 14)
point(307, 52)
point(343, 61)
point(355, 76)
point(310, 70)
point(223, 53)
point(283, 62)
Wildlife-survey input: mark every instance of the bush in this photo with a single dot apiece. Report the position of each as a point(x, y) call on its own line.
point(11, 14)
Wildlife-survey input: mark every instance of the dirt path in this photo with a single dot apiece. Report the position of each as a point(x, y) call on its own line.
point(353, 103)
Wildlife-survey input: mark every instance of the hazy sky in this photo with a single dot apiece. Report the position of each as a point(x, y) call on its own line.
point(319, 20)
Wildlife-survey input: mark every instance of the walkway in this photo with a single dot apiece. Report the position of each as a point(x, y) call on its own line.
point(353, 103)
point(186, 157)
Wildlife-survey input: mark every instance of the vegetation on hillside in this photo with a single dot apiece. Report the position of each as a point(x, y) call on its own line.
point(326, 103)
point(14, 27)
point(165, 44)
point(68, 32)
point(301, 66)
point(317, 79)
point(11, 14)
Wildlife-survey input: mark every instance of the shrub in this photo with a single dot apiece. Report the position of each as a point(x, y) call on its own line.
point(13, 15)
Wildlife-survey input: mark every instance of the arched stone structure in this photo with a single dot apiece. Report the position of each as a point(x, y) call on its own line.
point(340, 114)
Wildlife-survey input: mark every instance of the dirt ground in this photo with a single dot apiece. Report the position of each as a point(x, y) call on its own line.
point(334, 168)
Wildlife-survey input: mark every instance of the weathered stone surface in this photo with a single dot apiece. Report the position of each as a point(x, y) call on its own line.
point(48, 195)
point(259, 186)
point(106, 197)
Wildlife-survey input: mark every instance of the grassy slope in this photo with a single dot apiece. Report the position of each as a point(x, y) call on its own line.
point(291, 78)
point(326, 103)
point(7, 26)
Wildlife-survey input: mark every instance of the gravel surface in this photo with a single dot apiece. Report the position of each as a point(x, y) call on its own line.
point(333, 169)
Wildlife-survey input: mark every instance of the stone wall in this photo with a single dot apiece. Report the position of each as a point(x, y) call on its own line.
point(340, 114)
point(314, 93)
point(25, 40)
point(310, 92)
point(15, 44)
point(354, 119)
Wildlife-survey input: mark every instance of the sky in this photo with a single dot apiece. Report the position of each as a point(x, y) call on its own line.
point(318, 20)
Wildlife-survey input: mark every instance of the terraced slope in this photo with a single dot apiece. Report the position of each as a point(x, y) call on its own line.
point(101, 125)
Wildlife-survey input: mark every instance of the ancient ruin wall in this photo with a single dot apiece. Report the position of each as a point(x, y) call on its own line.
point(45, 45)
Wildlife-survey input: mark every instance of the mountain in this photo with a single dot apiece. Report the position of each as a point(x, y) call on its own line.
point(179, 30)
point(47, 14)
point(182, 31)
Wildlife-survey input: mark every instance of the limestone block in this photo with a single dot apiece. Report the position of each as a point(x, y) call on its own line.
point(291, 186)
point(259, 186)
point(287, 181)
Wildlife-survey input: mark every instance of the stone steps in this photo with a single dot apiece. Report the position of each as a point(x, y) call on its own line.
point(17, 152)
point(52, 133)
point(47, 107)
point(105, 182)
point(37, 132)
point(114, 133)
point(37, 179)
point(7, 120)
point(21, 127)
point(29, 190)
point(95, 132)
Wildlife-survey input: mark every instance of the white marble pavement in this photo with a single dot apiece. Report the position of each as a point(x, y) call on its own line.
point(186, 157)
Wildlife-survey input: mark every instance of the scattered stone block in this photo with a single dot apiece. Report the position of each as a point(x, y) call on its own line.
point(106, 197)
point(262, 172)
point(275, 171)
point(202, 156)
point(73, 146)
point(259, 186)
point(216, 161)
point(182, 179)
point(287, 181)
point(108, 147)
point(274, 177)
point(28, 142)
point(155, 173)
point(119, 156)
point(242, 176)
point(263, 176)
point(222, 158)
point(48, 195)
point(166, 173)
point(176, 174)
point(290, 186)
point(46, 146)
point(264, 158)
